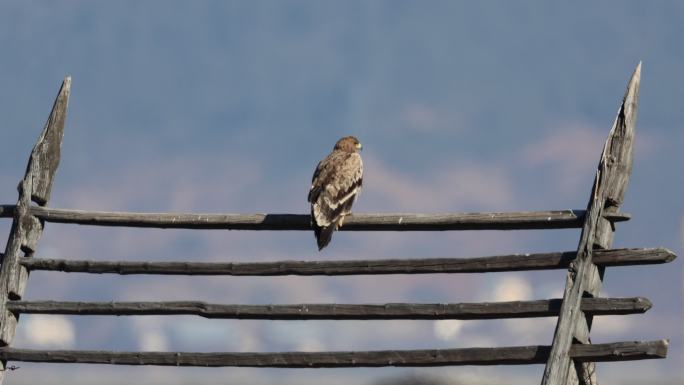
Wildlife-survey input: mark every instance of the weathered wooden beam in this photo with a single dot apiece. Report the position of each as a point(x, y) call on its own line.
point(415, 311)
point(46, 153)
point(26, 229)
point(514, 262)
point(616, 160)
point(617, 169)
point(607, 194)
point(525, 220)
point(517, 355)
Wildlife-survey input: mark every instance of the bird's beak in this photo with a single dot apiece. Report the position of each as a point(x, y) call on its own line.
point(359, 146)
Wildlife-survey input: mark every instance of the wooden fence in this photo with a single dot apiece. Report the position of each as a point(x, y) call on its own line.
point(569, 360)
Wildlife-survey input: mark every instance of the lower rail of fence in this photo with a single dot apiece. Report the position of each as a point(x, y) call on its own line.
point(517, 355)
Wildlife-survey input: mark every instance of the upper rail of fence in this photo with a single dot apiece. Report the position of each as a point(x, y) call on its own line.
point(523, 220)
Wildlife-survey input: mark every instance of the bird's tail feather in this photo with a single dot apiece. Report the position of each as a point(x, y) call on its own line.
point(324, 235)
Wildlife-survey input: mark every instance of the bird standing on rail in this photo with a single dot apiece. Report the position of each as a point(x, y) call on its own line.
point(334, 187)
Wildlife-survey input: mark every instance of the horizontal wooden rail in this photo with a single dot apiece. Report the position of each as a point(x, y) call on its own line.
point(517, 355)
point(358, 222)
point(464, 311)
point(514, 262)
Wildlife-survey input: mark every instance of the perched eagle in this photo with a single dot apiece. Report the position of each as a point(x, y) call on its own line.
point(334, 187)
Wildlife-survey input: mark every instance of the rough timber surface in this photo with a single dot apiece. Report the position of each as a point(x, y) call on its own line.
point(517, 355)
point(607, 194)
point(616, 167)
point(524, 220)
point(513, 262)
point(413, 311)
point(26, 229)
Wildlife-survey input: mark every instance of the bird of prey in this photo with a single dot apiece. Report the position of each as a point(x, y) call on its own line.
point(334, 187)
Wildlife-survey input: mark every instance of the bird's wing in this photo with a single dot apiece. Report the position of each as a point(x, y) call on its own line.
point(337, 181)
point(316, 184)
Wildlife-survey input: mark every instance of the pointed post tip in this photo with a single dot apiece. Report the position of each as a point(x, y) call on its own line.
point(45, 156)
point(632, 91)
point(66, 83)
point(637, 71)
point(636, 75)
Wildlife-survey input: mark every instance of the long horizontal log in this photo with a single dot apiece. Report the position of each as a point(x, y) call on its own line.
point(514, 262)
point(464, 311)
point(357, 222)
point(517, 355)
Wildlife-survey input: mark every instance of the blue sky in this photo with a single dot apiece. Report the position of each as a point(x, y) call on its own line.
point(226, 106)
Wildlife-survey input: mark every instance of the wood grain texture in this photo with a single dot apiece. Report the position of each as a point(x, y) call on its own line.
point(517, 355)
point(13, 253)
point(616, 168)
point(608, 190)
point(46, 153)
point(414, 311)
point(526, 220)
point(26, 229)
point(34, 230)
point(620, 351)
point(513, 262)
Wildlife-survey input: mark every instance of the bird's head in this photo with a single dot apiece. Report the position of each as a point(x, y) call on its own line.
point(348, 144)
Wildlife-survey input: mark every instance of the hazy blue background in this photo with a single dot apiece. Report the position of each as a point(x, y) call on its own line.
point(225, 106)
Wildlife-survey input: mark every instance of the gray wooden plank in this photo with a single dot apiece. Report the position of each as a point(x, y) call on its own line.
point(513, 262)
point(617, 170)
point(45, 155)
point(517, 355)
point(607, 194)
point(386, 311)
point(26, 229)
point(524, 220)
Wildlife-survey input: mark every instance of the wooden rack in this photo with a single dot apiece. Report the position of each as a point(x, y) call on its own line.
point(569, 360)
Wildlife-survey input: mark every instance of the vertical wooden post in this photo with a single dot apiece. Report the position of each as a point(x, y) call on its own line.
point(584, 278)
point(26, 229)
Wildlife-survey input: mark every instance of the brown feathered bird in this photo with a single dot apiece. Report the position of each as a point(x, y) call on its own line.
point(334, 187)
